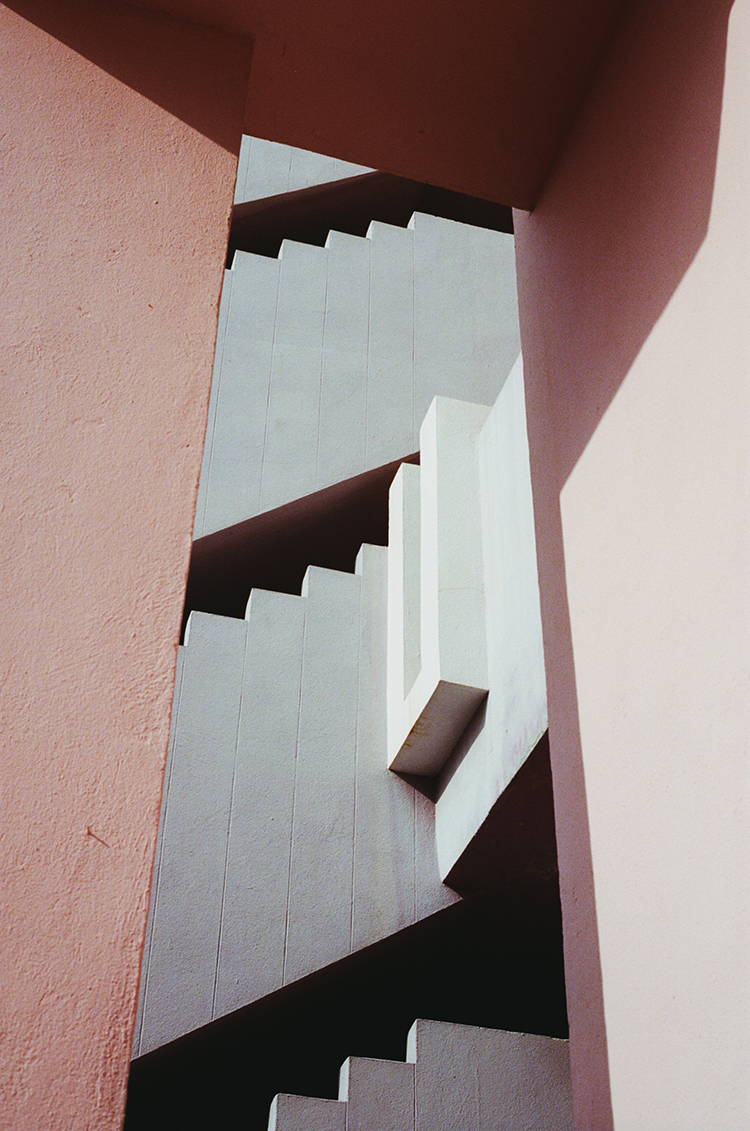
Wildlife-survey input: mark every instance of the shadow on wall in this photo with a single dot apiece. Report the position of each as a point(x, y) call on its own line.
point(619, 223)
point(489, 961)
point(272, 550)
point(349, 205)
point(188, 69)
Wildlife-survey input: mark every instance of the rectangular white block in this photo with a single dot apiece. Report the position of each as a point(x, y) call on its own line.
point(453, 679)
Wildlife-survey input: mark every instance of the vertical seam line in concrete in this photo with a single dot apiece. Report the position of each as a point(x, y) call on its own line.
point(360, 651)
point(269, 383)
point(146, 960)
point(229, 817)
point(413, 332)
point(329, 262)
point(294, 793)
point(290, 162)
point(369, 347)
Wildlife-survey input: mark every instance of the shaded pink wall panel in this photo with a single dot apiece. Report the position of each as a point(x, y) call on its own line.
point(634, 298)
point(114, 214)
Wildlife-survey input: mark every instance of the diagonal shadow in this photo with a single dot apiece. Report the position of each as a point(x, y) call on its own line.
point(621, 220)
point(191, 71)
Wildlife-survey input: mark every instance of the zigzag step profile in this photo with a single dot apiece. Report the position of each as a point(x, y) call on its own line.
point(456, 1078)
point(328, 358)
point(284, 844)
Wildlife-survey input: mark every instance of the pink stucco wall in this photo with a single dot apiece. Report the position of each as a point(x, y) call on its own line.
point(118, 150)
point(633, 275)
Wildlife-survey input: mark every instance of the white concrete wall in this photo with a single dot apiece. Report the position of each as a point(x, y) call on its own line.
point(285, 843)
point(328, 358)
point(267, 168)
point(463, 611)
point(457, 1078)
point(437, 654)
point(515, 716)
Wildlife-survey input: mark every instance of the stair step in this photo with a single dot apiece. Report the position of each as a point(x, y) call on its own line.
point(292, 847)
point(478, 1078)
point(354, 340)
point(379, 1094)
point(456, 1078)
point(304, 1113)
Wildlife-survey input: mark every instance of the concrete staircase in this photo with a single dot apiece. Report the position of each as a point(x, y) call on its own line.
point(328, 358)
point(456, 1078)
point(285, 844)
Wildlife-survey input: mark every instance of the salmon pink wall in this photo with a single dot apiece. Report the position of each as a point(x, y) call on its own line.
point(633, 274)
point(114, 215)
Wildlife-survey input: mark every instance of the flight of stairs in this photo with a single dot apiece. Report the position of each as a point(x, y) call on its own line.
point(456, 1078)
point(286, 845)
point(328, 358)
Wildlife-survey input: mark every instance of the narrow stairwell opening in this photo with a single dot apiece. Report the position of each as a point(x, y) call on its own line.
point(296, 872)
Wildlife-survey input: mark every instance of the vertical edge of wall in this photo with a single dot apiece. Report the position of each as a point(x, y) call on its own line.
point(633, 293)
point(122, 136)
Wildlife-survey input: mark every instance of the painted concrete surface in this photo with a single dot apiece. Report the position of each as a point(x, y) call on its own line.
point(379, 1094)
point(480, 104)
point(107, 367)
point(267, 168)
point(636, 369)
point(285, 844)
point(306, 1113)
point(436, 616)
point(328, 358)
point(456, 1078)
point(470, 1077)
point(507, 728)
point(464, 622)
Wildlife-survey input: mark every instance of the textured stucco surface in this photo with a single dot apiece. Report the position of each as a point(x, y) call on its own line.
point(473, 96)
point(114, 214)
point(634, 296)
